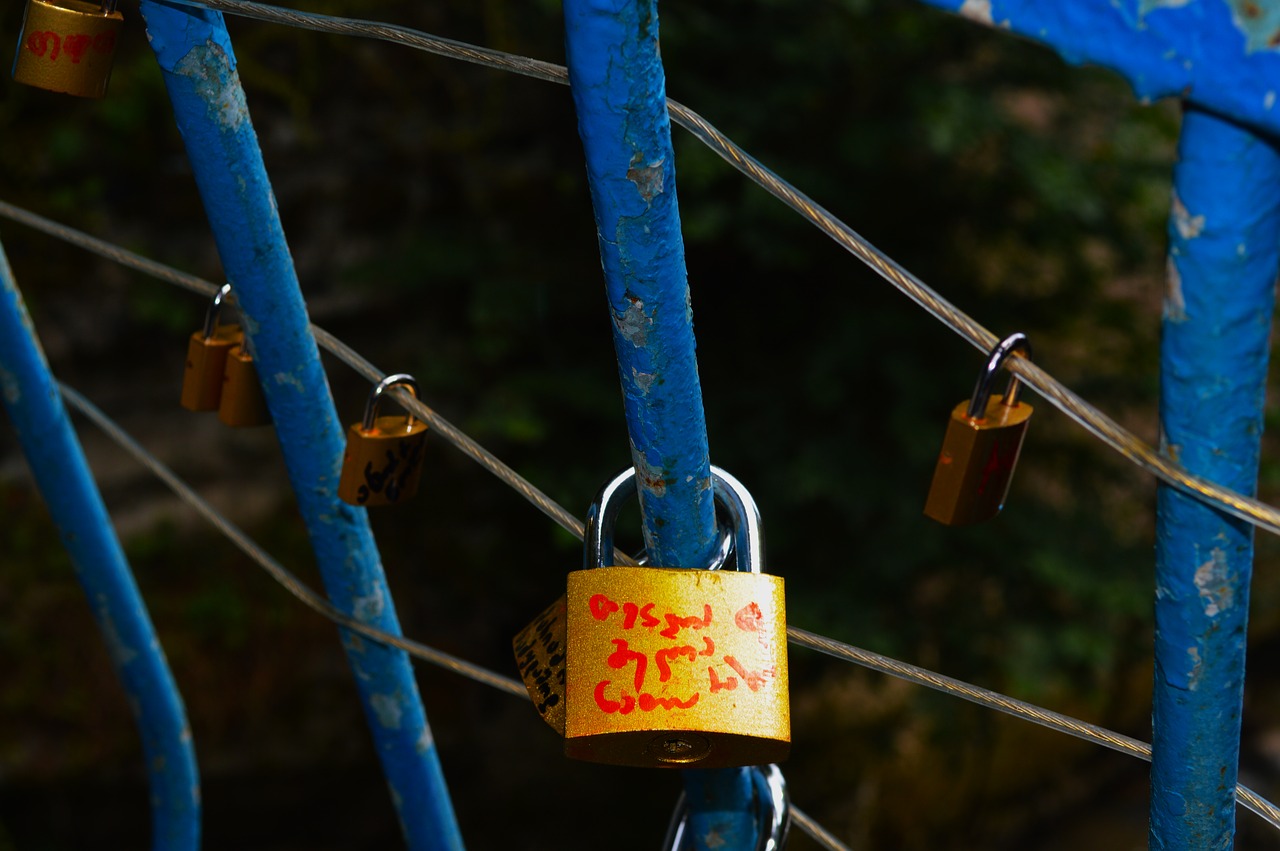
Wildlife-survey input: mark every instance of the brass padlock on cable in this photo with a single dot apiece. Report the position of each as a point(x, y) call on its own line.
point(207, 357)
point(382, 464)
point(664, 667)
point(981, 447)
point(243, 403)
point(68, 46)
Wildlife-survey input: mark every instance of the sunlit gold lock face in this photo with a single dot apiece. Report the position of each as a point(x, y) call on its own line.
point(206, 367)
point(980, 449)
point(382, 464)
point(68, 46)
point(659, 667)
point(242, 403)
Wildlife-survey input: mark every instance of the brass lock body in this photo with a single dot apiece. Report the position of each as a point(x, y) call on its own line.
point(659, 667)
point(68, 46)
point(207, 358)
point(981, 447)
point(382, 464)
point(242, 403)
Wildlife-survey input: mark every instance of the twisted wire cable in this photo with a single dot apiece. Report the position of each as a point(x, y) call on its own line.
point(1094, 421)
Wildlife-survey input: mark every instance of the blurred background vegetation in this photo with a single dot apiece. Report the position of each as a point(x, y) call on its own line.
point(439, 218)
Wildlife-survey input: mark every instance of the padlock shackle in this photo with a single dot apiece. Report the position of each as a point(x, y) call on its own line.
point(400, 379)
point(215, 309)
point(747, 537)
point(982, 390)
point(109, 6)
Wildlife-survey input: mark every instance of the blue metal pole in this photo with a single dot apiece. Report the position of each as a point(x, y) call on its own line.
point(1224, 255)
point(619, 91)
point(58, 464)
point(199, 69)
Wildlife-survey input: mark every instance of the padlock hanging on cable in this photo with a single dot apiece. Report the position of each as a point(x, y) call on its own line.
point(981, 447)
point(665, 667)
point(382, 464)
point(68, 46)
point(219, 372)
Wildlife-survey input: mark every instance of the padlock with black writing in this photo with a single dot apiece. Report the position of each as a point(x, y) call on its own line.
point(243, 403)
point(382, 464)
point(207, 357)
point(665, 667)
point(981, 447)
point(68, 46)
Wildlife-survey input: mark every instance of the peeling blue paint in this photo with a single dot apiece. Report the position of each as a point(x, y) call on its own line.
point(1214, 351)
point(198, 62)
point(1222, 56)
point(58, 464)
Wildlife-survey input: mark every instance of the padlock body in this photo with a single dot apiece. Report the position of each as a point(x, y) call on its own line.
point(68, 47)
point(242, 403)
point(382, 466)
point(676, 668)
point(540, 657)
point(206, 367)
point(976, 464)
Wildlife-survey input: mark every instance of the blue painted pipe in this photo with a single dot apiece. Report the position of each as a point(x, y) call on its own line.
point(58, 464)
point(1216, 54)
point(1224, 255)
point(619, 92)
point(198, 65)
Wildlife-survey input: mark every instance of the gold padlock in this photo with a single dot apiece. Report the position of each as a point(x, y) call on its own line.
point(383, 461)
point(68, 46)
point(242, 403)
point(674, 668)
point(207, 357)
point(981, 447)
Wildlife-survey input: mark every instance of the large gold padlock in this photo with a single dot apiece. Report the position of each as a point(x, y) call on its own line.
point(242, 403)
point(663, 667)
point(68, 46)
point(383, 461)
point(981, 447)
point(207, 357)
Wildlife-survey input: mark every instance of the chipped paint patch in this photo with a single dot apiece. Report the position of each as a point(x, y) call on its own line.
point(650, 477)
point(633, 323)
point(1269, 100)
point(649, 179)
point(387, 708)
point(1193, 680)
point(1259, 21)
point(370, 607)
point(1175, 303)
point(283, 378)
point(217, 84)
point(425, 741)
point(977, 10)
point(10, 387)
point(121, 652)
point(1214, 582)
point(643, 380)
point(1151, 5)
point(1189, 226)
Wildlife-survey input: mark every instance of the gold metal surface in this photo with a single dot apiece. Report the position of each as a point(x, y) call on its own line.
point(540, 656)
point(676, 668)
point(242, 403)
point(382, 466)
point(206, 367)
point(976, 464)
point(67, 47)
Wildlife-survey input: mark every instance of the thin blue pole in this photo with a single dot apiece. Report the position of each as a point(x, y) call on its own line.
point(1224, 255)
point(198, 65)
point(619, 91)
point(61, 472)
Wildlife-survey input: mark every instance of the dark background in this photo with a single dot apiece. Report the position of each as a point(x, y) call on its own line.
point(439, 218)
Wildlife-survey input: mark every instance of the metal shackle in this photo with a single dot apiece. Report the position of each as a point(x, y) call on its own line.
point(215, 309)
point(400, 379)
point(746, 540)
point(772, 805)
point(982, 390)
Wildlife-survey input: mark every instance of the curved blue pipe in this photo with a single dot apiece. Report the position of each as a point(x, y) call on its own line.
point(58, 464)
point(1223, 259)
point(619, 92)
point(198, 65)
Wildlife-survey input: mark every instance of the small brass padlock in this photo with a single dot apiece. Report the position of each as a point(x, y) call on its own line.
point(981, 447)
point(207, 357)
point(68, 46)
point(662, 667)
point(383, 461)
point(242, 403)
